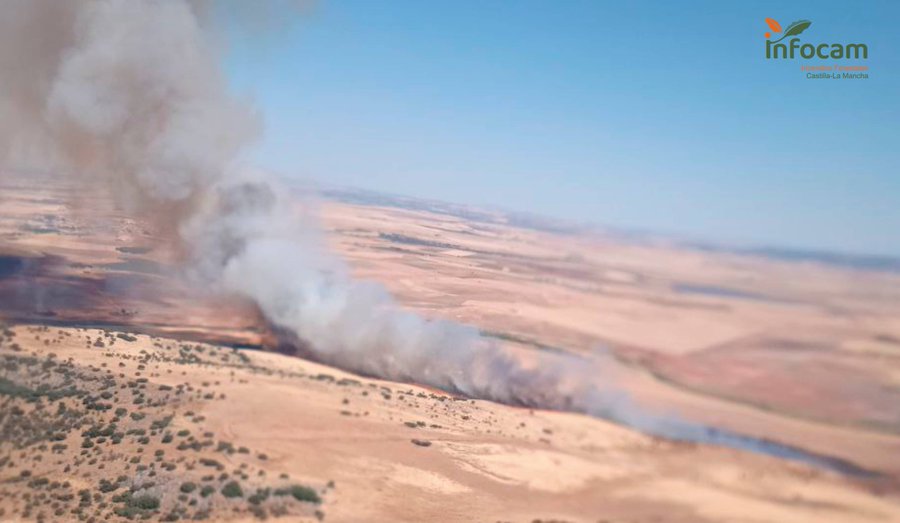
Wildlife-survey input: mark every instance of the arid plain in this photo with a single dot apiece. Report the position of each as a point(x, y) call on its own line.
point(218, 425)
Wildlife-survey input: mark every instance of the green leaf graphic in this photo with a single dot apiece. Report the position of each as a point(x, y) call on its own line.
point(794, 29)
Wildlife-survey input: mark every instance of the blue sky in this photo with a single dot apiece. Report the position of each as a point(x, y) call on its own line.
point(647, 115)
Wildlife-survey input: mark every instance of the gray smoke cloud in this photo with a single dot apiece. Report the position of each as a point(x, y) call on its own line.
point(129, 95)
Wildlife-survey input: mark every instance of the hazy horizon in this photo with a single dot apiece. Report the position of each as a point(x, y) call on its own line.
point(627, 116)
point(682, 238)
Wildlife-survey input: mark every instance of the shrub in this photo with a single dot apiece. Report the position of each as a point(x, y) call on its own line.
point(300, 493)
point(136, 505)
point(144, 502)
point(161, 423)
point(232, 489)
point(188, 487)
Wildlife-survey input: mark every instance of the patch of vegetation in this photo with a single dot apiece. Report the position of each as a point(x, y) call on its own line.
point(304, 493)
point(10, 388)
point(232, 489)
point(50, 406)
point(141, 506)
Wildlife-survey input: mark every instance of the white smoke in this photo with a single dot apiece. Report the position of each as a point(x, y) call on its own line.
point(129, 94)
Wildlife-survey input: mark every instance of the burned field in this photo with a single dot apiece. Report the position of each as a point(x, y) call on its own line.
point(108, 441)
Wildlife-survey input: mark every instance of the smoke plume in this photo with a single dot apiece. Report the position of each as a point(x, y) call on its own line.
point(129, 95)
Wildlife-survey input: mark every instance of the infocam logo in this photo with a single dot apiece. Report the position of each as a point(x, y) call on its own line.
point(794, 49)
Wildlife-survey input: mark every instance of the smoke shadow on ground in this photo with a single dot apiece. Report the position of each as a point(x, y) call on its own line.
point(627, 413)
point(686, 431)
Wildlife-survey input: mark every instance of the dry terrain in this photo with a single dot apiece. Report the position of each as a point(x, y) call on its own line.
point(127, 392)
point(805, 353)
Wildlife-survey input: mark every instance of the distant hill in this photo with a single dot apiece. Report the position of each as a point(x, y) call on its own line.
point(538, 222)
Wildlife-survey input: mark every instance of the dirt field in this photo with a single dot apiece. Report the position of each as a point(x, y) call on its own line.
point(805, 354)
point(195, 418)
